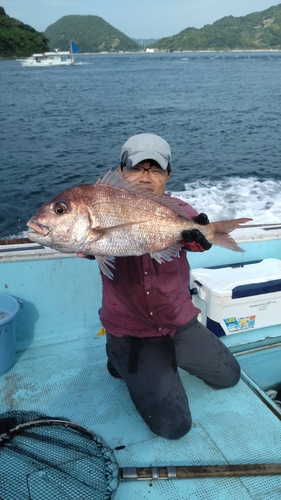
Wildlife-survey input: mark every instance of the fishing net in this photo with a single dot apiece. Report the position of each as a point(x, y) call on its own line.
point(42, 458)
point(45, 458)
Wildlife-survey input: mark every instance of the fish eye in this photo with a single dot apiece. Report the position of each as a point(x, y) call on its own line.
point(60, 208)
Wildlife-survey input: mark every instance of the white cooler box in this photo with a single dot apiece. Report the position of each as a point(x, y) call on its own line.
point(238, 298)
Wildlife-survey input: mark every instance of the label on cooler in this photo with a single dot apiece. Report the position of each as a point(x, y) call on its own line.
point(234, 324)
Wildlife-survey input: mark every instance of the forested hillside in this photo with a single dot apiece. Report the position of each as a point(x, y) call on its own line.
point(90, 33)
point(18, 39)
point(260, 30)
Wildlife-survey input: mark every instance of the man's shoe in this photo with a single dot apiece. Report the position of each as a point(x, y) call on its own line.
point(112, 370)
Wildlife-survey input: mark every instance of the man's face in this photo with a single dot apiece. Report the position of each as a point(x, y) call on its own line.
point(149, 175)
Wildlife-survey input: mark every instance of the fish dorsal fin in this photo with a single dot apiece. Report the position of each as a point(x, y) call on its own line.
point(115, 178)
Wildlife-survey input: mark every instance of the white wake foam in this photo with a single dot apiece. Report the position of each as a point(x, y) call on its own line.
point(235, 197)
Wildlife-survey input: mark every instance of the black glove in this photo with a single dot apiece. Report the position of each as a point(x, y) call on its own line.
point(195, 235)
point(201, 219)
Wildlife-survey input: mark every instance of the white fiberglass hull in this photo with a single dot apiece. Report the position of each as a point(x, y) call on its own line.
point(49, 61)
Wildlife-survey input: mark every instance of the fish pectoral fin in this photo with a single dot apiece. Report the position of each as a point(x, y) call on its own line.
point(95, 233)
point(167, 255)
point(99, 232)
point(104, 263)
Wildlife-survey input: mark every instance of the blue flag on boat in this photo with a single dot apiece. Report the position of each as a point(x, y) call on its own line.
point(73, 47)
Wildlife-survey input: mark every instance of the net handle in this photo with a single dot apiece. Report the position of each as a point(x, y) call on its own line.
point(199, 471)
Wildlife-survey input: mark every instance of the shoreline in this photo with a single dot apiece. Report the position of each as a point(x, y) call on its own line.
point(157, 52)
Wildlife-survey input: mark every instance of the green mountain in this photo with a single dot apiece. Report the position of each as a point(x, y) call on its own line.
point(90, 33)
point(260, 30)
point(18, 39)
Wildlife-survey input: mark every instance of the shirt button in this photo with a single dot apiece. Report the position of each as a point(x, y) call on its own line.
point(151, 313)
point(147, 293)
point(145, 272)
point(160, 329)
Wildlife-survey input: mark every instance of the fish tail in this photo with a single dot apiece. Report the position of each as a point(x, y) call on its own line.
point(220, 232)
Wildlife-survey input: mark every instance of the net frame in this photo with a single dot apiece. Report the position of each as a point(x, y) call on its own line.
point(46, 458)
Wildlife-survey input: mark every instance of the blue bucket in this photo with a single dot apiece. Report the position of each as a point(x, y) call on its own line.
point(9, 307)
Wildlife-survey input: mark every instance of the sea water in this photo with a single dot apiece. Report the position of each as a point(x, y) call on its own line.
point(220, 112)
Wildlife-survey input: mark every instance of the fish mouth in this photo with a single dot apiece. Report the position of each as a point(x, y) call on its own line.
point(37, 229)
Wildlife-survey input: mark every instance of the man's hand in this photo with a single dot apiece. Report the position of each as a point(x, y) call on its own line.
point(202, 219)
point(84, 256)
point(195, 235)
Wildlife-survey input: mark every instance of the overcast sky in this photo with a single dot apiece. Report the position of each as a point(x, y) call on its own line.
point(136, 19)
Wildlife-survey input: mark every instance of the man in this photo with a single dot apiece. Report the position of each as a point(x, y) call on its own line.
point(150, 320)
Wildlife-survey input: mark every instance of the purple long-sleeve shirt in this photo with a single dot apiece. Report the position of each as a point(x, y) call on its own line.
point(148, 299)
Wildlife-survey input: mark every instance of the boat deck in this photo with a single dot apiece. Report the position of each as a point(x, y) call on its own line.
point(70, 379)
point(60, 370)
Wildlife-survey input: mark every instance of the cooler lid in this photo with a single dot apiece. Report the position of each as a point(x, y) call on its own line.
point(240, 280)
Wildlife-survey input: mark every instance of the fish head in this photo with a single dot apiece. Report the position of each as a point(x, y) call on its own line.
point(62, 223)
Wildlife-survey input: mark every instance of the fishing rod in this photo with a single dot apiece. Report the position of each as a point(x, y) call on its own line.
point(266, 227)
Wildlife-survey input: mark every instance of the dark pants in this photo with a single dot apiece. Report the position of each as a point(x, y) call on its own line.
point(156, 388)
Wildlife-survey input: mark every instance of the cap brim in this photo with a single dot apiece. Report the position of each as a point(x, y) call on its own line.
point(149, 155)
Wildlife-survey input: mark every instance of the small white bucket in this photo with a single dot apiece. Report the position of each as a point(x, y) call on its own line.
point(9, 307)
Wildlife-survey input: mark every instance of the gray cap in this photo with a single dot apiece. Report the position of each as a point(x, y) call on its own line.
point(142, 147)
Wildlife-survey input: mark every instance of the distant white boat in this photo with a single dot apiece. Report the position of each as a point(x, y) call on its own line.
point(55, 58)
